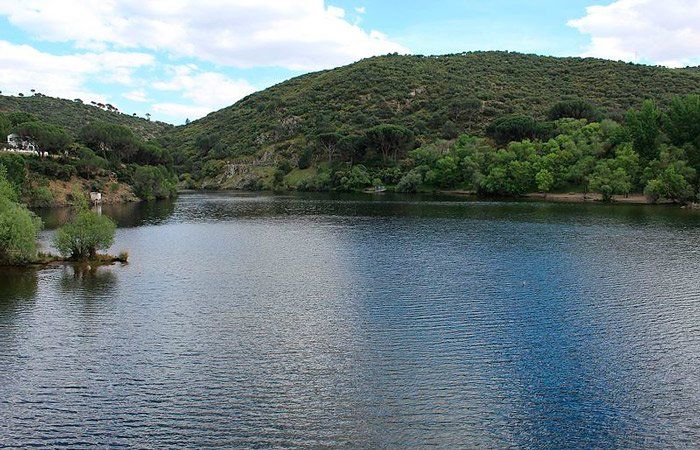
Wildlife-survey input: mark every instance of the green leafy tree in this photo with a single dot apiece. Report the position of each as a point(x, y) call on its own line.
point(19, 117)
point(670, 185)
point(410, 182)
point(5, 126)
point(576, 109)
point(47, 137)
point(608, 180)
point(391, 140)
point(19, 227)
point(154, 182)
point(514, 128)
point(305, 159)
point(115, 142)
point(544, 180)
point(87, 233)
point(682, 122)
point(644, 126)
point(356, 178)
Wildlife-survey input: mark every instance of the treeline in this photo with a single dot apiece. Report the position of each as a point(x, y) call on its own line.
point(654, 151)
point(100, 152)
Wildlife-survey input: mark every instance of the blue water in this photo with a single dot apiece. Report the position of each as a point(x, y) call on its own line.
point(359, 321)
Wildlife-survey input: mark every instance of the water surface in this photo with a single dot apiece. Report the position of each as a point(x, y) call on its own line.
point(360, 321)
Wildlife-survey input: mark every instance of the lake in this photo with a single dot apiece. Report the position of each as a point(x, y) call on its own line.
point(320, 320)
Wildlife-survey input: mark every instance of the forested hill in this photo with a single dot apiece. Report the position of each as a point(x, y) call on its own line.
point(73, 115)
point(427, 94)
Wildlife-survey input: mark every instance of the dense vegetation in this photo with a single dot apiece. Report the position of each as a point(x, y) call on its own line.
point(101, 153)
point(432, 97)
point(18, 226)
point(79, 239)
point(653, 151)
point(73, 115)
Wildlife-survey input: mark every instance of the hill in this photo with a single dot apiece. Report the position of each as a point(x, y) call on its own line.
point(73, 115)
point(423, 93)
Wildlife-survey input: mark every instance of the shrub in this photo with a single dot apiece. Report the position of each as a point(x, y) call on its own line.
point(84, 235)
point(305, 159)
point(41, 197)
point(410, 182)
point(153, 182)
point(575, 109)
point(515, 128)
point(670, 185)
point(19, 228)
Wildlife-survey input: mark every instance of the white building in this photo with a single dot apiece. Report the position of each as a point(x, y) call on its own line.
point(16, 144)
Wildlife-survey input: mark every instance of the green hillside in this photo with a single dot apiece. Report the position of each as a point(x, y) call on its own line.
point(423, 93)
point(72, 115)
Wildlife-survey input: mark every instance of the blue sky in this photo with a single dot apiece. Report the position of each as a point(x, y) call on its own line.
point(179, 59)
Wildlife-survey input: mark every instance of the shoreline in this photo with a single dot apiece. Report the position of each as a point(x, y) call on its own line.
point(580, 197)
point(562, 197)
point(45, 261)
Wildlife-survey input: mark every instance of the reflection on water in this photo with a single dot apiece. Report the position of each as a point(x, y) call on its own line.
point(88, 280)
point(340, 320)
point(125, 215)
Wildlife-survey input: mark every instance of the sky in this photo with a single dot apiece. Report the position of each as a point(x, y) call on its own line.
point(181, 59)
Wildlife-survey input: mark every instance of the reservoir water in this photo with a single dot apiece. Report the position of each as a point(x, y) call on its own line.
point(364, 322)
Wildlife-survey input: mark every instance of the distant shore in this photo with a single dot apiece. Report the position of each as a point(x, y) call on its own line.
point(580, 197)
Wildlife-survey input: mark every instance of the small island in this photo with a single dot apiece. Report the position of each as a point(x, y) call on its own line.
point(78, 241)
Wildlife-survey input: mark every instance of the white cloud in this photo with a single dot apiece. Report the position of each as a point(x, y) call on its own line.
point(22, 67)
point(661, 32)
point(295, 34)
point(207, 92)
point(136, 96)
point(360, 10)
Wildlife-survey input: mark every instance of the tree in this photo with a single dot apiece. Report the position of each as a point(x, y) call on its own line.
point(305, 158)
point(87, 233)
point(608, 180)
point(351, 148)
point(682, 123)
point(19, 227)
point(154, 182)
point(544, 180)
point(644, 126)
point(410, 182)
point(670, 185)
point(5, 126)
point(19, 117)
point(576, 109)
point(115, 142)
point(47, 137)
point(449, 130)
point(207, 142)
point(390, 140)
point(514, 128)
point(329, 143)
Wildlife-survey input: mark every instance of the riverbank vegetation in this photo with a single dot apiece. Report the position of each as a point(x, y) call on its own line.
point(104, 157)
point(77, 241)
point(578, 148)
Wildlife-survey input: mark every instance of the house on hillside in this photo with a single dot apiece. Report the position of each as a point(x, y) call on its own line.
point(16, 144)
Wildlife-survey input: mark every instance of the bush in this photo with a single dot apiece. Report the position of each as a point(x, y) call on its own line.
point(515, 128)
point(153, 183)
point(305, 159)
point(41, 197)
point(670, 185)
point(410, 182)
point(19, 228)
point(575, 109)
point(84, 235)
